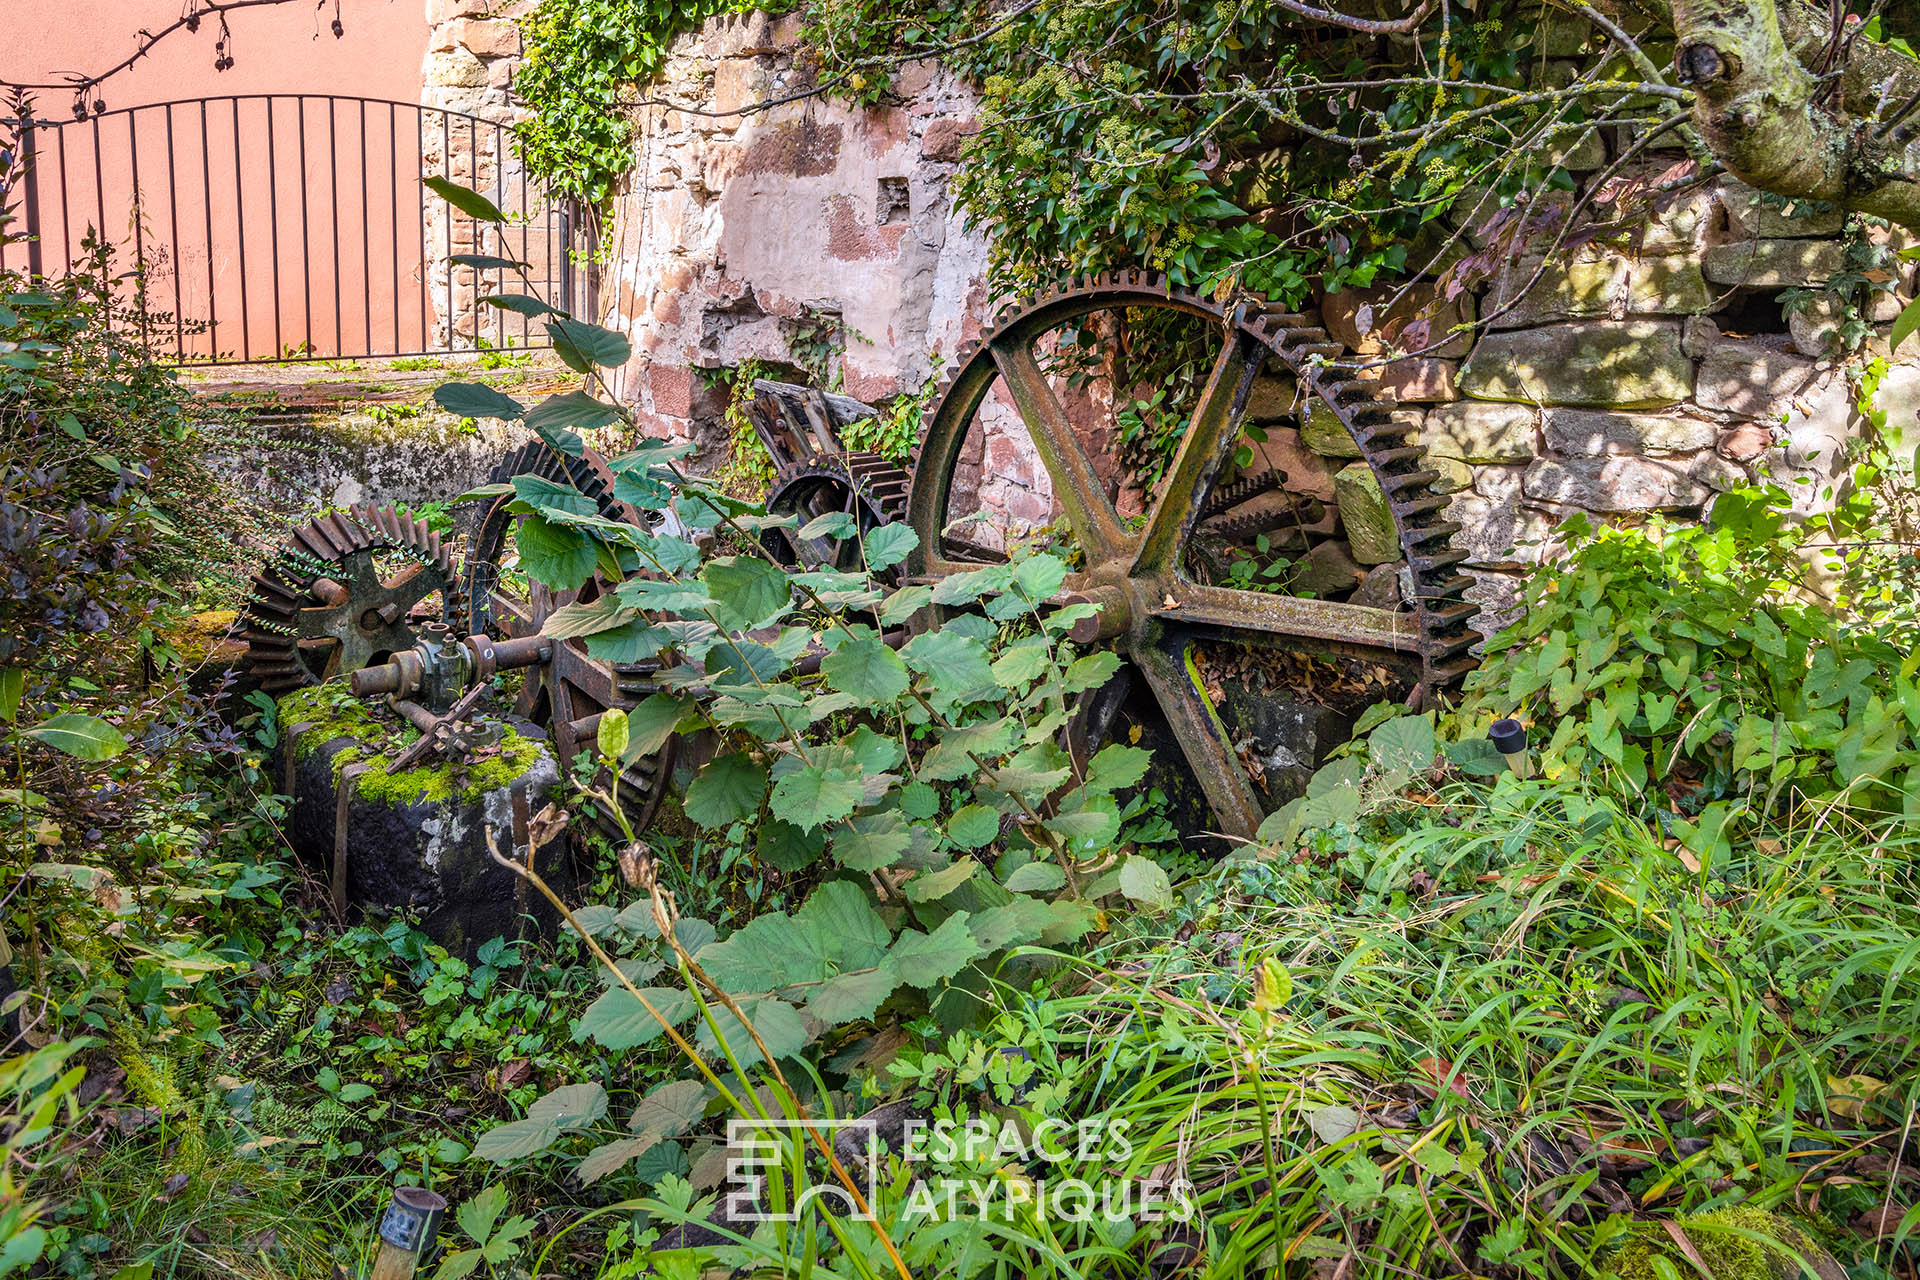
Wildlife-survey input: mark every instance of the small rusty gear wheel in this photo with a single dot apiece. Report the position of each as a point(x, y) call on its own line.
point(1151, 607)
point(567, 695)
point(862, 485)
point(347, 590)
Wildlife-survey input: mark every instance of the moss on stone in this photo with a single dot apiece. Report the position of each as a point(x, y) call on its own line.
point(1730, 1241)
point(332, 714)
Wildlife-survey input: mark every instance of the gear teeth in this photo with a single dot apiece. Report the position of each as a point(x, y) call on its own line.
point(1226, 497)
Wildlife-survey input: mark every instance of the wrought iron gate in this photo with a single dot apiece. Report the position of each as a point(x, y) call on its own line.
point(297, 226)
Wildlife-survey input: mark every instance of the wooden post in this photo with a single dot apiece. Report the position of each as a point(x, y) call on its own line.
point(407, 1231)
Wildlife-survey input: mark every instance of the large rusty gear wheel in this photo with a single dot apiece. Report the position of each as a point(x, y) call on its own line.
point(863, 485)
point(568, 694)
point(1150, 607)
point(346, 591)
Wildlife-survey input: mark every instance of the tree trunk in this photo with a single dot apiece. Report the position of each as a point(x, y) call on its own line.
point(1760, 109)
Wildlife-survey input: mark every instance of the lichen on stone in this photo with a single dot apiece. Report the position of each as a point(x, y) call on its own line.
point(331, 713)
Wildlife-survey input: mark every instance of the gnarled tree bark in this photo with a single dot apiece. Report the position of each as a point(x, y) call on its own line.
point(1770, 115)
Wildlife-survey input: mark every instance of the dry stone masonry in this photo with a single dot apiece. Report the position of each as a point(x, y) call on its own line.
point(1621, 378)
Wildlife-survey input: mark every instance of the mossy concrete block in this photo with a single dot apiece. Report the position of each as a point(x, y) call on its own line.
point(1637, 364)
point(417, 840)
point(1366, 516)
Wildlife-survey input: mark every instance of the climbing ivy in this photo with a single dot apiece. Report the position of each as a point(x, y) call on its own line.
point(583, 59)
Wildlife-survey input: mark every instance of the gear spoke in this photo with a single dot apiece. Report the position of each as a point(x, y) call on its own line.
point(1168, 667)
point(1204, 449)
point(1075, 485)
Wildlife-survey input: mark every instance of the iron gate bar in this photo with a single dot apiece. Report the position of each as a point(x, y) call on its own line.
point(130, 158)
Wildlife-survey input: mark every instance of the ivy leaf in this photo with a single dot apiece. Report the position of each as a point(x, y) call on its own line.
point(922, 960)
point(746, 590)
point(813, 796)
point(1145, 882)
point(727, 790)
point(973, 826)
point(581, 345)
point(867, 669)
point(889, 544)
point(84, 737)
point(571, 409)
point(476, 400)
point(777, 1022)
point(617, 1021)
point(465, 199)
point(852, 997)
point(560, 557)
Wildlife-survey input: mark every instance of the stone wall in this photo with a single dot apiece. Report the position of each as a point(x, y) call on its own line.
point(1643, 374)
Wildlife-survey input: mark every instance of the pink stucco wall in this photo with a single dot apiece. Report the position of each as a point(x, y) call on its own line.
point(316, 202)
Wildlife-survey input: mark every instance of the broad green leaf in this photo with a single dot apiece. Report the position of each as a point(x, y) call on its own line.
point(785, 847)
point(1092, 671)
point(13, 681)
point(973, 826)
point(1036, 877)
point(518, 303)
point(953, 751)
point(1116, 766)
point(1012, 923)
point(1040, 576)
point(617, 1021)
point(593, 344)
point(931, 886)
point(955, 663)
point(652, 722)
point(85, 737)
point(834, 524)
point(465, 199)
point(478, 1213)
point(1402, 747)
point(867, 669)
point(1904, 325)
point(923, 960)
point(1021, 663)
point(1145, 882)
point(610, 1157)
point(746, 590)
point(1096, 825)
point(889, 544)
point(852, 997)
point(840, 913)
point(906, 602)
point(515, 1140)
point(612, 735)
point(872, 841)
point(486, 262)
point(575, 409)
point(769, 952)
point(727, 790)
point(813, 796)
point(603, 614)
point(777, 1023)
point(553, 554)
point(670, 1109)
point(547, 497)
point(476, 400)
